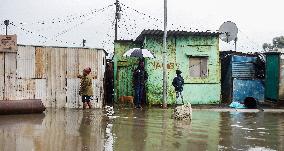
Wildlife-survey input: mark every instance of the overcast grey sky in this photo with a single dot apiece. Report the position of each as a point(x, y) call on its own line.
point(258, 20)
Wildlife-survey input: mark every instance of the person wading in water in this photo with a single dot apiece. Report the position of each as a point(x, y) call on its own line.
point(86, 88)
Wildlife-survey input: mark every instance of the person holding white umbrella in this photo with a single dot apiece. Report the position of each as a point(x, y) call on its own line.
point(140, 77)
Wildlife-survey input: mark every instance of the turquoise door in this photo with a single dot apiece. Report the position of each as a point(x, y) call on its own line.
point(272, 76)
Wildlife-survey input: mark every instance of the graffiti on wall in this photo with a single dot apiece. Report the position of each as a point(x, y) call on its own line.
point(157, 65)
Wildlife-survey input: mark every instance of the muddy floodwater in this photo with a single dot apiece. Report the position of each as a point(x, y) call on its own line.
point(141, 130)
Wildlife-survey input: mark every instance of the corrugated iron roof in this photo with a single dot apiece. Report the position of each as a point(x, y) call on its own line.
point(175, 33)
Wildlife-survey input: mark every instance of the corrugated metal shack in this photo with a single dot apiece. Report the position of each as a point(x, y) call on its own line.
point(274, 76)
point(242, 76)
point(50, 74)
point(196, 54)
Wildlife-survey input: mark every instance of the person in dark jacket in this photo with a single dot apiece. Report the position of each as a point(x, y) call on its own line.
point(140, 77)
point(86, 88)
point(178, 83)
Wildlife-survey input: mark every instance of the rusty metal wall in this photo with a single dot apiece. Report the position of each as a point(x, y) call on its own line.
point(73, 97)
point(50, 74)
point(72, 66)
point(40, 62)
point(40, 91)
point(25, 73)
point(26, 62)
point(10, 76)
point(25, 89)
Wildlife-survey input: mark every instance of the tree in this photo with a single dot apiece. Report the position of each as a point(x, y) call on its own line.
point(267, 46)
point(277, 42)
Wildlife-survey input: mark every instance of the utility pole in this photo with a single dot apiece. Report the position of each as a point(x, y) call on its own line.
point(6, 22)
point(117, 17)
point(165, 77)
point(236, 43)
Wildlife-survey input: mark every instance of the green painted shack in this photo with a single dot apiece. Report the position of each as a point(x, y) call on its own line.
point(196, 54)
point(274, 77)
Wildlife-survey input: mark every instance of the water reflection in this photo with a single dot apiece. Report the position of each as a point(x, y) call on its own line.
point(90, 130)
point(248, 131)
point(16, 131)
point(141, 130)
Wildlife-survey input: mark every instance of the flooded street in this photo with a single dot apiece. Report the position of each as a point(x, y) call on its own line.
point(141, 130)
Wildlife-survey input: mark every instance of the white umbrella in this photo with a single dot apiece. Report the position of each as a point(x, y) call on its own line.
point(138, 52)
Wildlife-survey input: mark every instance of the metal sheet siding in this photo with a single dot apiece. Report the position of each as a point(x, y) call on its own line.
point(88, 58)
point(281, 80)
point(243, 67)
point(60, 77)
point(40, 91)
point(10, 76)
point(97, 95)
point(26, 62)
point(51, 71)
point(248, 88)
point(73, 97)
point(100, 72)
point(2, 84)
point(72, 66)
point(40, 62)
point(25, 89)
point(50, 74)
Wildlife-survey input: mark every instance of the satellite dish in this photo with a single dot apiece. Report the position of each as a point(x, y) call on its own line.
point(228, 31)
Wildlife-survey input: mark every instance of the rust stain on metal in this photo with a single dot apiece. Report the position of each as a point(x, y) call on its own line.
point(8, 43)
point(52, 76)
point(39, 62)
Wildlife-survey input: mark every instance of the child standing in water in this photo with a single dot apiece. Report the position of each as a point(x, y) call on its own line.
point(86, 88)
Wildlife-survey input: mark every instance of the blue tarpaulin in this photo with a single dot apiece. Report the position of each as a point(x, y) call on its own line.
point(237, 105)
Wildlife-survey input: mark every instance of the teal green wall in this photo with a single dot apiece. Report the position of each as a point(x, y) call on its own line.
point(272, 72)
point(180, 49)
point(200, 90)
point(123, 69)
point(154, 68)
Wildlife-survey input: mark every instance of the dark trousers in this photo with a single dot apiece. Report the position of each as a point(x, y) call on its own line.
point(179, 94)
point(138, 94)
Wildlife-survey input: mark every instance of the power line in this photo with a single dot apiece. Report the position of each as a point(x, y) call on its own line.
point(78, 24)
point(179, 27)
point(153, 18)
point(39, 35)
point(68, 19)
point(54, 38)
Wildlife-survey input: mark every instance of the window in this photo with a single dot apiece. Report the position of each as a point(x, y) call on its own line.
point(198, 67)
